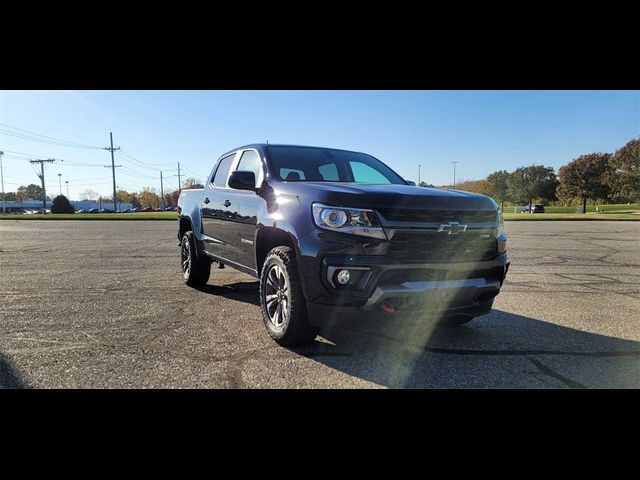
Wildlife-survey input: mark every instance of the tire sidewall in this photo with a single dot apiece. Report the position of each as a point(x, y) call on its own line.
point(275, 332)
point(187, 240)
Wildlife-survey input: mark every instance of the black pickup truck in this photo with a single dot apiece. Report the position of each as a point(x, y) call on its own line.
point(329, 228)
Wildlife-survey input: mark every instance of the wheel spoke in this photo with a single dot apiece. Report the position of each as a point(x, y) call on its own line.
point(272, 280)
point(280, 278)
point(270, 300)
point(278, 315)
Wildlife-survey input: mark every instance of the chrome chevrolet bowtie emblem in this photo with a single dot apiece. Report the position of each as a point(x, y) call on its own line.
point(452, 228)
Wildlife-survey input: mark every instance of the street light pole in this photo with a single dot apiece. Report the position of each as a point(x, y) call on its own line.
point(60, 182)
point(67, 182)
point(454, 175)
point(419, 174)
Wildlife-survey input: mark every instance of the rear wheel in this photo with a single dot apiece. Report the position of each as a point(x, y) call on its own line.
point(284, 310)
point(196, 269)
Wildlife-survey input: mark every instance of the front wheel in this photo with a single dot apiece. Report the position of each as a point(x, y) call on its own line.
point(196, 269)
point(284, 310)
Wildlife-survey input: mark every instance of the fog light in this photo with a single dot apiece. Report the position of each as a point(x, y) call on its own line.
point(343, 277)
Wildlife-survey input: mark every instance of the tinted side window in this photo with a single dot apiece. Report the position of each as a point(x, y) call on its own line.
point(250, 161)
point(363, 173)
point(291, 174)
point(220, 178)
point(329, 172)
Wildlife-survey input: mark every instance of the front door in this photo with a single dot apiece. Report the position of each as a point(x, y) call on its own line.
point(240, 213)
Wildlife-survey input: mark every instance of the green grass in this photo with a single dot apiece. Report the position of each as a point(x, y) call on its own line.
point(570, 216)
point(572, 209)
point(95, 216)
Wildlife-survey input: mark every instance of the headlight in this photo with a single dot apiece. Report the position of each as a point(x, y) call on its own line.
point(355, 221)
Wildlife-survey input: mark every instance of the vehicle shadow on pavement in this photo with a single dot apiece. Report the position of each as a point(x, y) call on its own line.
point(241, 291)
point(9, 378)
point(499, 350)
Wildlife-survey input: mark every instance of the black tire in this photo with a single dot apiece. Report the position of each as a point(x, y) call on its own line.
point(196, 268)
point(281, 282)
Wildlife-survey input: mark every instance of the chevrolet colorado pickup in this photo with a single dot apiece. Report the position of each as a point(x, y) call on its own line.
point(322, 227)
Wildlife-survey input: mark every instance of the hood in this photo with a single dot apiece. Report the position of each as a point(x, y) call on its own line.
point(386, 196)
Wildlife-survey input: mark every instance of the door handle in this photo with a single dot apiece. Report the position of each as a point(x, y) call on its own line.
point(206, 200)
point(226, 203)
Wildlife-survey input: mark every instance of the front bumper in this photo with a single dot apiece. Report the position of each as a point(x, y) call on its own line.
point(409, 286)
point(446, 293)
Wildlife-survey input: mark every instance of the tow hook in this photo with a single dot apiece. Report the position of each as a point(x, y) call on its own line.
point(387, 307)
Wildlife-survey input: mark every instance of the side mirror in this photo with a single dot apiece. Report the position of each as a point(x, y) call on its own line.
point(242, 180)
point(411, 182)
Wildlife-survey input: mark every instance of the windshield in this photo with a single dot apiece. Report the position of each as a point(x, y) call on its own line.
point(312, 164)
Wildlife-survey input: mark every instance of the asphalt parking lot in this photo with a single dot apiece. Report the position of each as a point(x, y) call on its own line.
point(102, 304)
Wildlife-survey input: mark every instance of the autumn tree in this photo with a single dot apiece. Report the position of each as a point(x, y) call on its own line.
point(8, 196)
point(624, 179)
point(35, 192)
point(22, 194)
point(497, 188)
point(149, 198)
point(475, 186)
point(586, 177)
point(534, 181)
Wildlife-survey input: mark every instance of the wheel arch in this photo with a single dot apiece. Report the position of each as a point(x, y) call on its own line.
point(268, 238)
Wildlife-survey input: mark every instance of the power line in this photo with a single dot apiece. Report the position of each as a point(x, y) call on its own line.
point(42, 140)
point(69, 143)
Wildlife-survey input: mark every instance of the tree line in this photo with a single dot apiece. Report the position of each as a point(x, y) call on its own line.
point(148, 197)
point(605, 177)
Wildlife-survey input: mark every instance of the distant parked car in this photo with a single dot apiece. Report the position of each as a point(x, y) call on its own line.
point(536, 208)
point(137, 209)
point(148, 209)
point(93, 210)
point(126, 210)
point(106, 210)
point(170, 209)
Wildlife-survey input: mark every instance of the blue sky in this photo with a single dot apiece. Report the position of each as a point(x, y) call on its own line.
point(482, 130)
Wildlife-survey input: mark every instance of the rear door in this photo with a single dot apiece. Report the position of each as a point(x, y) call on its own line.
point(240, 212)
point(211, 207)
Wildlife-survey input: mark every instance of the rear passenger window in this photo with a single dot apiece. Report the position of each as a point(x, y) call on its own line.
point(329, 172)
point(220, 178)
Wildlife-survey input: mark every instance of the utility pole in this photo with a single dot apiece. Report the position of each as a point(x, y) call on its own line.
point(179, 182)
point(67, 182)
point(419, 175)
point(454, 174)
point(161, 192)
point(115, 208)
point(2, 178)
point(113, 169)
point(41, 175)
point(60, 182)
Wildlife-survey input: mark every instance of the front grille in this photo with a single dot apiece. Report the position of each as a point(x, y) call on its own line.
point(441, 247)
point(438, 216)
